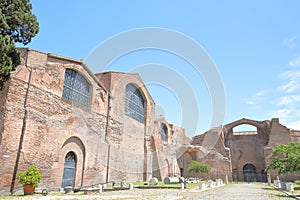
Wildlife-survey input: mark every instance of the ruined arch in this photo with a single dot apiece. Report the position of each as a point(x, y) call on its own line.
point(247, 148)
point(263, 129)
point(257, 124)
point(183, 161)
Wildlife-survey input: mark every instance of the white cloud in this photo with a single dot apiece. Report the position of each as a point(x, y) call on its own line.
point(293, 124)
point(287, 105)
point(250, 102)
point(262, 93)
point(295, 62)
point(292, 81)
point(257, 97)
point(287, 100)
point(291, 42)
point(282, 113)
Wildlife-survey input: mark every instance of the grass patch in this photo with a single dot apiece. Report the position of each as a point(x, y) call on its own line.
point(160, 183)
point(296, 188)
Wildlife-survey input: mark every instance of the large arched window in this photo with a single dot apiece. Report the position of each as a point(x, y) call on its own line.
point(135, 104)
point(164, 132)
point(76, 88)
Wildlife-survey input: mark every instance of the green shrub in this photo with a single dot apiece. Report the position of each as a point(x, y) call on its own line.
point(297, 182)
point(31, 176)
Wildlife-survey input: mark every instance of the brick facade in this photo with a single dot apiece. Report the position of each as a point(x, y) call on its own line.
point(38, 126)
point(231, 151)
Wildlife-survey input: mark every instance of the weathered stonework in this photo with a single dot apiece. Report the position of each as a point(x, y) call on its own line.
point(38, 126)
point(228, 152)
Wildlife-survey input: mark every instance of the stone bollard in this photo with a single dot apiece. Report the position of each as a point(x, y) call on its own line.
point(283, 185)
point(130, 186)
point(217, 182)
point(210, 183)
point(101, 189)
point(182, 186)
point(290, 186)
point(220, 182)
point(202, 185)
point(68, 189)
point(269, 179)
point(153, 181)
point(226, 179)
point(169, 180)
point(277, 183)
point(123, 184)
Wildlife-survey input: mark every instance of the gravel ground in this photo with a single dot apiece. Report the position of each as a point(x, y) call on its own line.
point(255, 191)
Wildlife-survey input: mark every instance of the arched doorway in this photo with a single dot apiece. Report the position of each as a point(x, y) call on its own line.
point(69, 170)
point(249, 171)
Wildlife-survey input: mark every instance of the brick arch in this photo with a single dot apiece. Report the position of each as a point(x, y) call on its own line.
point(257, 124)
point(75, 145)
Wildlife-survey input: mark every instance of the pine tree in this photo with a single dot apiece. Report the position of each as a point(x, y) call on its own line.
point(17, 25)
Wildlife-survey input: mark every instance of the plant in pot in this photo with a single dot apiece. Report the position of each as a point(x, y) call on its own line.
point(30, 179)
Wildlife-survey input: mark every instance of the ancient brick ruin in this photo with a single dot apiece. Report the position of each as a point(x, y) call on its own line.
point(245, 155)
point(105, 131)
point(83, 129)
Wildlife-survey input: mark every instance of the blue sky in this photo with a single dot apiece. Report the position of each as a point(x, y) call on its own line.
point(254, 45)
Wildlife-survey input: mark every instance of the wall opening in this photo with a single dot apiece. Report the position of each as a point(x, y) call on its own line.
point(69, 170)
point(244, 129)
point(249, 171)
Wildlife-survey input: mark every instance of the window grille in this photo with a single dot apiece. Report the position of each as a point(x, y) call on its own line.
point(135, 105)
point(76, 88)
point(70, 157)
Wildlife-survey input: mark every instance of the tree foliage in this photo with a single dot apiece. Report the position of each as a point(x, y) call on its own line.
point(17, 25)
point(198, 167)
point(286, 158)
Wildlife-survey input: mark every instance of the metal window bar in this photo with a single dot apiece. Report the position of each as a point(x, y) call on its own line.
point(134, 106)
point(76, 88)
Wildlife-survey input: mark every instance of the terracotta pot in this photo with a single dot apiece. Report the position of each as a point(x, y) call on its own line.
point(28, 189)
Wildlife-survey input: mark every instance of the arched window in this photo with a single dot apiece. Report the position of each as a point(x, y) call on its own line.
point(76, 88)
point(134, 103)
point(164, 132)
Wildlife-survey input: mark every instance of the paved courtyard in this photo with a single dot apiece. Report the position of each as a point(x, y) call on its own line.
point(244, 191)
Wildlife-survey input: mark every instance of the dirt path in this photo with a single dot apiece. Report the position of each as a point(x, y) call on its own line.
point(243, 191)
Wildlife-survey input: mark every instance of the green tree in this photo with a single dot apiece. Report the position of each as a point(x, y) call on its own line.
point(17, 25)
point(286, 158)
point(198, 167)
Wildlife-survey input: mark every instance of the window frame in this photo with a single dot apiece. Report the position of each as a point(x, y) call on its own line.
point(74, 84)
point(135, 104)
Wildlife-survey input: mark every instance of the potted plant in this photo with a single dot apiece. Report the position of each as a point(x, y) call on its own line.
point(30, 179)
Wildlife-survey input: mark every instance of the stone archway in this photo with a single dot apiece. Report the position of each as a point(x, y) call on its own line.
point(183, 163)
point(248, 163)
point(72, 162)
